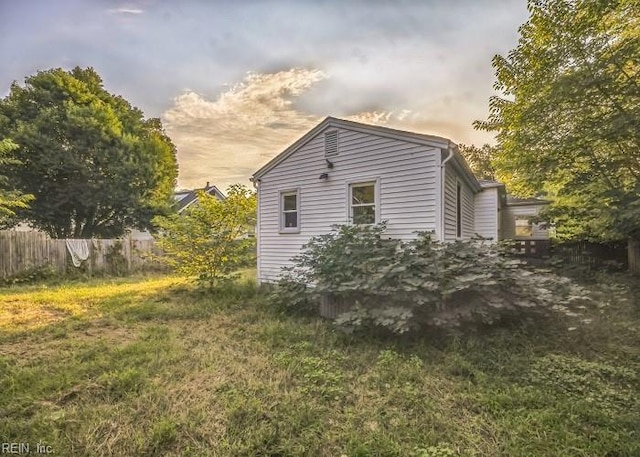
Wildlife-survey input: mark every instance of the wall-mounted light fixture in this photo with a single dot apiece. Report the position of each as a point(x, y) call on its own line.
point(329, 163)
point(324, 176)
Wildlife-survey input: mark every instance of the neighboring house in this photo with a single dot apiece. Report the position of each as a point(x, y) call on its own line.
point(344, 172)
point(186, 198)
point(183, 198)
point(517, 219)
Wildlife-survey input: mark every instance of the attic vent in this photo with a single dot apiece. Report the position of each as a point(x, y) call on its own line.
point(331, 143)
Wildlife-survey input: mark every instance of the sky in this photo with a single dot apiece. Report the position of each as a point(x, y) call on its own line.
point(236, 82)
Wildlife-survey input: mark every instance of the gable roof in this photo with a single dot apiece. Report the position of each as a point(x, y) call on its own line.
point(185, 198)
point(419, 138)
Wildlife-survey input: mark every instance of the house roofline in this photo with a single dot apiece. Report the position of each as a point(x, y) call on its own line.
point(486, 184)
point(419, 138)
point(529, 203)
point(461, 164)
point(211, 190)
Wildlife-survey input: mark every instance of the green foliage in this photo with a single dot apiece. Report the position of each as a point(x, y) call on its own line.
point(608, 386)
point(440, 450)
point(407, 286)
point(10, 199)
point(31, 275)
point(210, 239)
point(568, 115)
point(116, 260)
point(291, 297)
point(480, 160)
point(93, 163)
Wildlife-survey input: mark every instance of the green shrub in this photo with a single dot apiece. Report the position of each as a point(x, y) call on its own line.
point(608, 386)
point(30, 276)
point(210, 239)
point(291, 297)
point(404, 286)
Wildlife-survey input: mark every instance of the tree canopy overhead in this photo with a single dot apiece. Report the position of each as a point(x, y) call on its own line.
point(568, 117)
point(92, 161)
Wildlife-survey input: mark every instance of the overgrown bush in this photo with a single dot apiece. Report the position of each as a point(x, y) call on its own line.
point(403, 286)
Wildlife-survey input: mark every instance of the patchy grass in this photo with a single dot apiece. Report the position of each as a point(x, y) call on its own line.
point(153, 366)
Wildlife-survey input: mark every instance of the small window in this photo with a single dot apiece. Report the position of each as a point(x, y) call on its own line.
point(290, 215)
point(458, 210)
point(362, 203)
point(331, 143)
point(524, 228)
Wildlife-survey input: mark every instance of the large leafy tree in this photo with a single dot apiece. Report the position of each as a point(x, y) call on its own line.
point(480, 160)
point(568, 117)
point(10, 199)
point(95, 165)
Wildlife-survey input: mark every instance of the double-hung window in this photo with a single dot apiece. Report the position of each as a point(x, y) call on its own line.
point(290, 211)
point(362, 203)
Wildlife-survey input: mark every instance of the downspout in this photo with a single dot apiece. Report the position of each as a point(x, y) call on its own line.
point(256, 186)
point(443, 165)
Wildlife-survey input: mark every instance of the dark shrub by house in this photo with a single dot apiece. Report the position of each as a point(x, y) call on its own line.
point(403, 286)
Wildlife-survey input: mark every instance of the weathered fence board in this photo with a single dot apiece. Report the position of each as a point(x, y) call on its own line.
point(593, 254)
point(24, 251)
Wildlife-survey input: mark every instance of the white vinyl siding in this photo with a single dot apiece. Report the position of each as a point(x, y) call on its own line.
point(487, 214)
point(406, 178)
point(511, 213)
point(451, 182)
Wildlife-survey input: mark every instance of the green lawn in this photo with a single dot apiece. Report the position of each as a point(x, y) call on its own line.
point(152, 366)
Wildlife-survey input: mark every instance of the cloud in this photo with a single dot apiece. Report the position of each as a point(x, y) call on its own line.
point(224, 141)
point(124, 10)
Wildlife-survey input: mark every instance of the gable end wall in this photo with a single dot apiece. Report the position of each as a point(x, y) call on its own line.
point(406, 173)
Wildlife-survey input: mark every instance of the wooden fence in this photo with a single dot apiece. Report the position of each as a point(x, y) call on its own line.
point(21, 252)
point(593, 254)
point(619, 255)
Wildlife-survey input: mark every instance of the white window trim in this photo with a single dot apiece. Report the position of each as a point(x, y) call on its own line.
point(376, 189)
point(281, 195)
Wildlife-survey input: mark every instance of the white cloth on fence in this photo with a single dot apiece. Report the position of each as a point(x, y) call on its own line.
point(79, 250)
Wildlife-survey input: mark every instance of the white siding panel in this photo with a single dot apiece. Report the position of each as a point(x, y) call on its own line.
point(487, 214)
point(406, 173)
point(450, 228)
point(450, 206)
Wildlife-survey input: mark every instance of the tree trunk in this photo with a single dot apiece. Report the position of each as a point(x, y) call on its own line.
point(633, 254)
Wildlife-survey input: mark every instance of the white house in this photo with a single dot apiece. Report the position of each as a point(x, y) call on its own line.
point(346, 172)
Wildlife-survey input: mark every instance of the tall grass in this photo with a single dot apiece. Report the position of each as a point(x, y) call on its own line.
point(154, 366)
